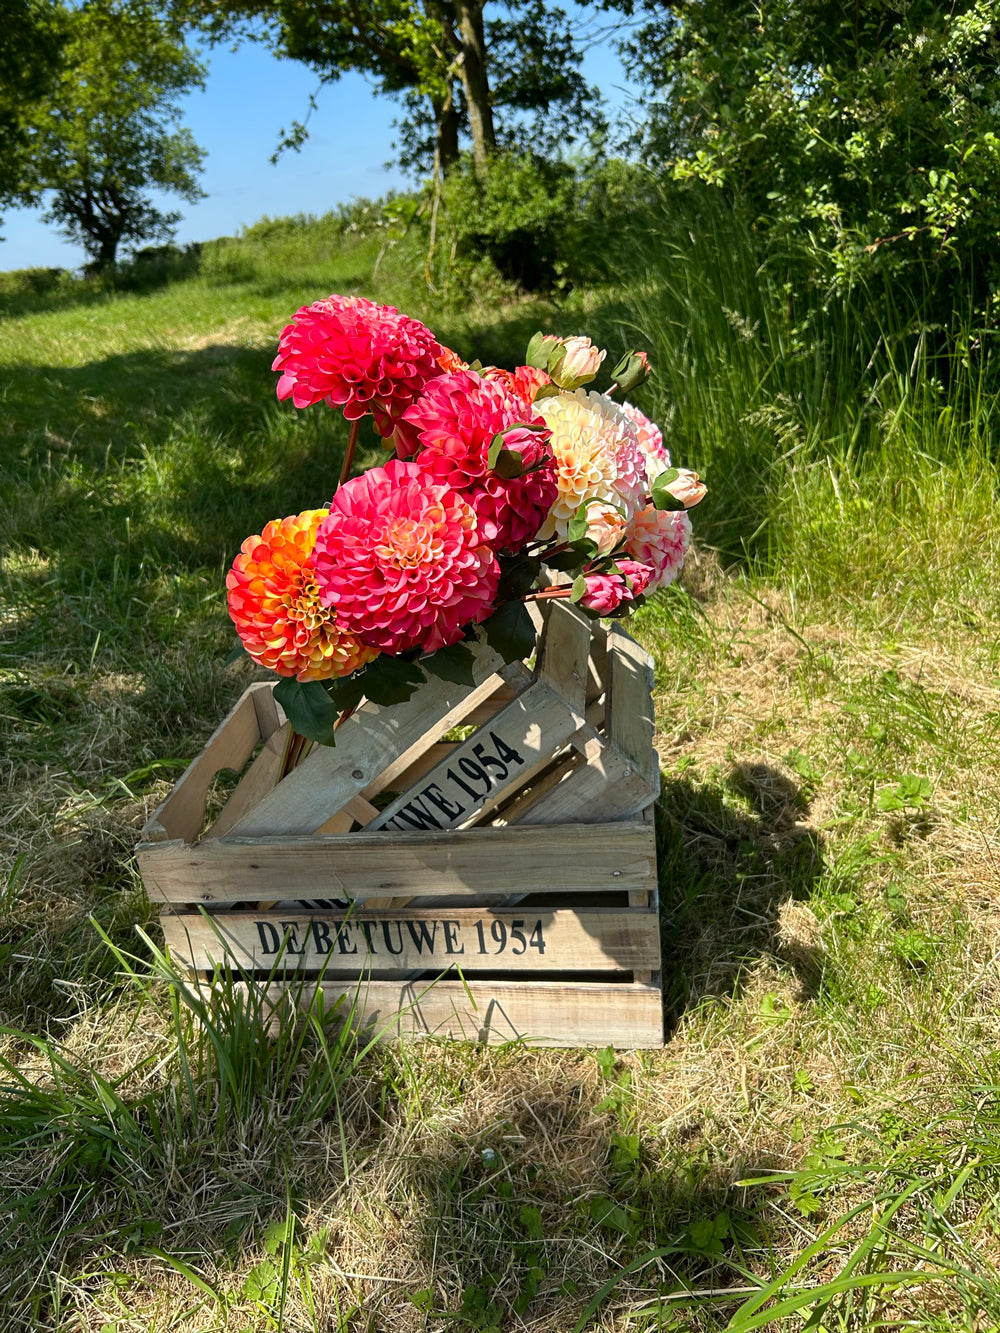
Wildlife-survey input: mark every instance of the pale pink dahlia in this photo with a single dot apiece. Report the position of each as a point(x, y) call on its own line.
point(274, 601)
point(650, 442)
point(597, 456)
point(660, 538)
point(402, 561)
point(456, 419)
point(358, 356)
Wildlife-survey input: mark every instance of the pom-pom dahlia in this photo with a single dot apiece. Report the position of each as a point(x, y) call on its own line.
point(274, 601)
point(525, 381)
point(402, 561)
point(597, 456)
point(659, 538)
point(456, 419)
point(358, 356)
point(650, 442)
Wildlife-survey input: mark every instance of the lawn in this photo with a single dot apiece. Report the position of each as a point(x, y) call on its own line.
point(818, 1143)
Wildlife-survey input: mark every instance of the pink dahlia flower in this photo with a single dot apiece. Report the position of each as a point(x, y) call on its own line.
point(358, 356)
point(402, 561)
point(274, 601)
point(607, 592)
point(650, 442)
point(660, 538)
point(456, 419)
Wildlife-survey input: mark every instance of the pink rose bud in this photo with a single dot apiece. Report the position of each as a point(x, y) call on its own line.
point(631, 371)
point(639, 576)
point(579, 363)
point(605, 593)
point(687, 487)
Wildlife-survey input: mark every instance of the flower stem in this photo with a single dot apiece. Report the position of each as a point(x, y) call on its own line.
point(352, 440)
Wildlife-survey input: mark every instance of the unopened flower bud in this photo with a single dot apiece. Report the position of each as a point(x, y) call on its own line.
point(631, 371)
point(687, 487)
point(578, 365)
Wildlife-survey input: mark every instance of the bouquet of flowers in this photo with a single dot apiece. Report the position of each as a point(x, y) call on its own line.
point(501, 487)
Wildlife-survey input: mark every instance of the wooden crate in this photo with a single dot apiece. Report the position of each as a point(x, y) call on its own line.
point(477, 862)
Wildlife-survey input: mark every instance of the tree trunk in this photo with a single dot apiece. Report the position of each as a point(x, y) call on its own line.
point(476, 82)
point(445, 134)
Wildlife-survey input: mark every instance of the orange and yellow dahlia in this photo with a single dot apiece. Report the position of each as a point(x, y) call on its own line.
point(274, 601)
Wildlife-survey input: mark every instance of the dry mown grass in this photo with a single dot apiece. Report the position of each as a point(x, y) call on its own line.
point(831, 990)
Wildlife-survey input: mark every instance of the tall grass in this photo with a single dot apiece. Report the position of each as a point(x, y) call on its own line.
point(849, 441)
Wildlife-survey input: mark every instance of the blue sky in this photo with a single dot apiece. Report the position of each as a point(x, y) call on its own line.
point(249, 97)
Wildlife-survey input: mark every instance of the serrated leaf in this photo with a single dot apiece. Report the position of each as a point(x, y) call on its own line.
point(391, 680)
point(510, 632)
point(453, 663)
point(517, 575)
point(564, 561)
point(309, 708)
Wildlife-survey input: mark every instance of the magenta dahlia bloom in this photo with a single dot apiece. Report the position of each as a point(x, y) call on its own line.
point(456, 419)
point(402, 560)
point(358, 356)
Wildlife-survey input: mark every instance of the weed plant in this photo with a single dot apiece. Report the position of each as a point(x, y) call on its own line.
point(817, 1145)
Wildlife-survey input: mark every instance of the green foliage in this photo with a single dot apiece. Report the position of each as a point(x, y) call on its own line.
point(870, 131)
point(31, 52)
point(103, 137)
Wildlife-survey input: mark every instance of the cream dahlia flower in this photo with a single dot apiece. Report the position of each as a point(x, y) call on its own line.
point(597, 454)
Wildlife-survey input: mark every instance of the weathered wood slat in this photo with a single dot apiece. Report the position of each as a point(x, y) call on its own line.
point(369, 942)
point(564, 653)
point(629, 716)
point(262, 775)
point(505, 753)
point(368, 743)
point(551, 1013)
point(588, 858)
point(230, 745)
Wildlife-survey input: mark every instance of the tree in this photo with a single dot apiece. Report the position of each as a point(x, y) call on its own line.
point(105, 136)
point(31, 44)
point(436, 55)
point(869, 128)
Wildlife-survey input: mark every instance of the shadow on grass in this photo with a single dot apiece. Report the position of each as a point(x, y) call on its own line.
point(731, 856)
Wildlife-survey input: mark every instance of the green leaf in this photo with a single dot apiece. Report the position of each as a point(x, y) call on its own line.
point(391, 680)
point(310, 709)
point(454, 663)
point(661, 497)
point(564, 561)
point(606, 1213)
point(510, 631)
point(494, 451)
point(579, 588)
point(509, 464)
point(547, 391)
point(517, 576)
point(536, 355)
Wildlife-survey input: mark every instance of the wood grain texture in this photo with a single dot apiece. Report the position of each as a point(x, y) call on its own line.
point(628, 1017)
point(362, 942)
point(367, 744)
point(180, 815)
point(534, 725)
point(564, 652)
point(261, 777)
point(571, 859)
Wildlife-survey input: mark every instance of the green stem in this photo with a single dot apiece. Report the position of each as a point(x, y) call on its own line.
point(352, 440)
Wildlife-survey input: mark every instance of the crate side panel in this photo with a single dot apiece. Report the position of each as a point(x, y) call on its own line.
point(363, 942)
point(628, 1017)
point(568, 858)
